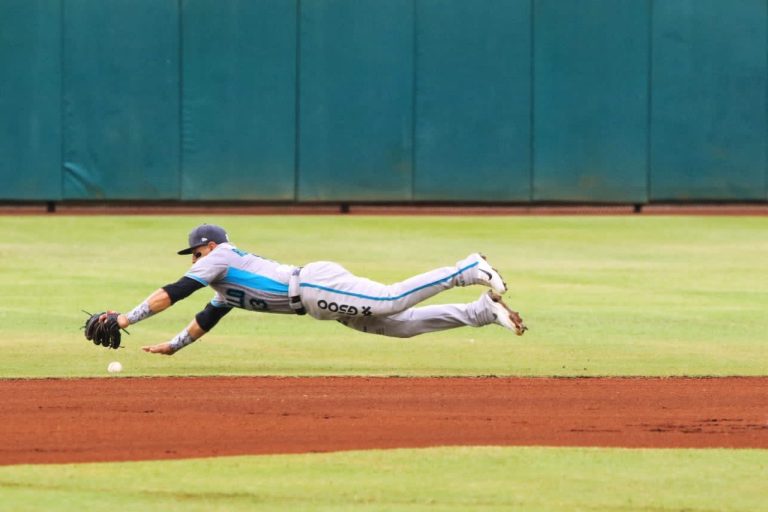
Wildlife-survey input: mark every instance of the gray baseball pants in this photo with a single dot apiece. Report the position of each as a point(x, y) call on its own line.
point(330, 292)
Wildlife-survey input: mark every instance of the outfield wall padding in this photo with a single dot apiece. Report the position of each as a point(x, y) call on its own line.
point(601, 101)
point(709, 124)
point(120, 99)
point(472, 131)
point(238, 100)
point(30, 100)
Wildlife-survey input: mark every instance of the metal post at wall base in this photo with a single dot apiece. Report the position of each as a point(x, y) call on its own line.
point(344, 207)
point(638, 208)
point(50, 207)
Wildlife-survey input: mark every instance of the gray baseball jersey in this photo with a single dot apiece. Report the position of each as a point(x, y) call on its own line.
point(244, 280)
point(329, 292)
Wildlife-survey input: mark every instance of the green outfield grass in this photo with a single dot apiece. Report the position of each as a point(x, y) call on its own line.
point(631, 295)
point(442, 479)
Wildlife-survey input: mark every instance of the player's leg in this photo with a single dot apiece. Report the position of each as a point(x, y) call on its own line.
point(488, 309)
point(329, 291)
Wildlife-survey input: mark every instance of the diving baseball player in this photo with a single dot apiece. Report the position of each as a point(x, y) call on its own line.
point(324, 290)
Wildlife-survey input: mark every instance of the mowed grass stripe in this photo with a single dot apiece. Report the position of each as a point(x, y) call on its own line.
point(445, 479)
point(628, 295)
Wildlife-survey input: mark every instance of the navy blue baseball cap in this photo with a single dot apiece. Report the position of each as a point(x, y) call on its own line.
point(203, 234)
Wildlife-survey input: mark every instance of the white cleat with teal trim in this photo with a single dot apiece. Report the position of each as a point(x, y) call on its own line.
point(475, 269)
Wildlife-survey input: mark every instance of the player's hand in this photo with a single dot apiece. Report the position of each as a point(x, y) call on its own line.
point(160, 348)
point(122, 320)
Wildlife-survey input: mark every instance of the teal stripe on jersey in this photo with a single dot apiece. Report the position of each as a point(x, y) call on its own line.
point(253, 281)
point(369, 297)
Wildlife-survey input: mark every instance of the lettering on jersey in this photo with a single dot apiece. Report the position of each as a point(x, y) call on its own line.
point(258, 304)
point(345, 309)
point(237, 299)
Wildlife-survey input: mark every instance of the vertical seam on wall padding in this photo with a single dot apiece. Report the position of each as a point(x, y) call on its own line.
point(649, 113)
point(180, 71)
point(532, 100)
point(62, 102)
point(414, 88)
point(297, 105)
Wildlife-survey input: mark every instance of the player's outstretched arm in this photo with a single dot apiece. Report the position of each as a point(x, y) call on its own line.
point(203, 322)
point(160, 300)
point(192, 333)
point(155, 303)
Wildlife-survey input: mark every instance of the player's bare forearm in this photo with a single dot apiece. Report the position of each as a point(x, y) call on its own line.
point(159, 301)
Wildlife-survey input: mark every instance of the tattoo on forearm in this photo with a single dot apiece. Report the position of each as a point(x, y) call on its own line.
point(139, 313)
point(181, 340)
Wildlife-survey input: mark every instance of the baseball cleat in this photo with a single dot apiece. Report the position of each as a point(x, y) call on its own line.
point(504, 316)
point(481, 272)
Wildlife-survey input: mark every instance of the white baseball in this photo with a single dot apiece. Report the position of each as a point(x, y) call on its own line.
point(114, 367)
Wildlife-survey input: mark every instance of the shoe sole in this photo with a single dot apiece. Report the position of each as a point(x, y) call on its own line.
point(515, 320)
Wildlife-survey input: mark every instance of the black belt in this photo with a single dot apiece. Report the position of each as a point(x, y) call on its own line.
point(297, 306)
point(294, 296)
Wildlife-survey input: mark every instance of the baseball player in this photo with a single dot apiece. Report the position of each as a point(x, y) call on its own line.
point(324, 290)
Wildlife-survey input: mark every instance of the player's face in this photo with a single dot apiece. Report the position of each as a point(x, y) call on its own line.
point(202, 251)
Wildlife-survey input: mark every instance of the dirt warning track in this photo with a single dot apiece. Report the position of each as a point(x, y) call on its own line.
point(78, 420)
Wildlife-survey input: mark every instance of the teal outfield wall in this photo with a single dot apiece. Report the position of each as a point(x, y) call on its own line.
point(626, 101)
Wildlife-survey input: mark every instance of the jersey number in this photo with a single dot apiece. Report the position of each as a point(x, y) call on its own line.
point(236, 298)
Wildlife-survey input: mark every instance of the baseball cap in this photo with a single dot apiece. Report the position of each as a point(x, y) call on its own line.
point(203, 234)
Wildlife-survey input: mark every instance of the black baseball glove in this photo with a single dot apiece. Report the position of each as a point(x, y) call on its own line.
point(106, 332)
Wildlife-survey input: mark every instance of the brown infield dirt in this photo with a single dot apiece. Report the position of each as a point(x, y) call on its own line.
point(116, 419)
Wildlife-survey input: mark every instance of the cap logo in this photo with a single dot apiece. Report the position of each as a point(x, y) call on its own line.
point(204, 235)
